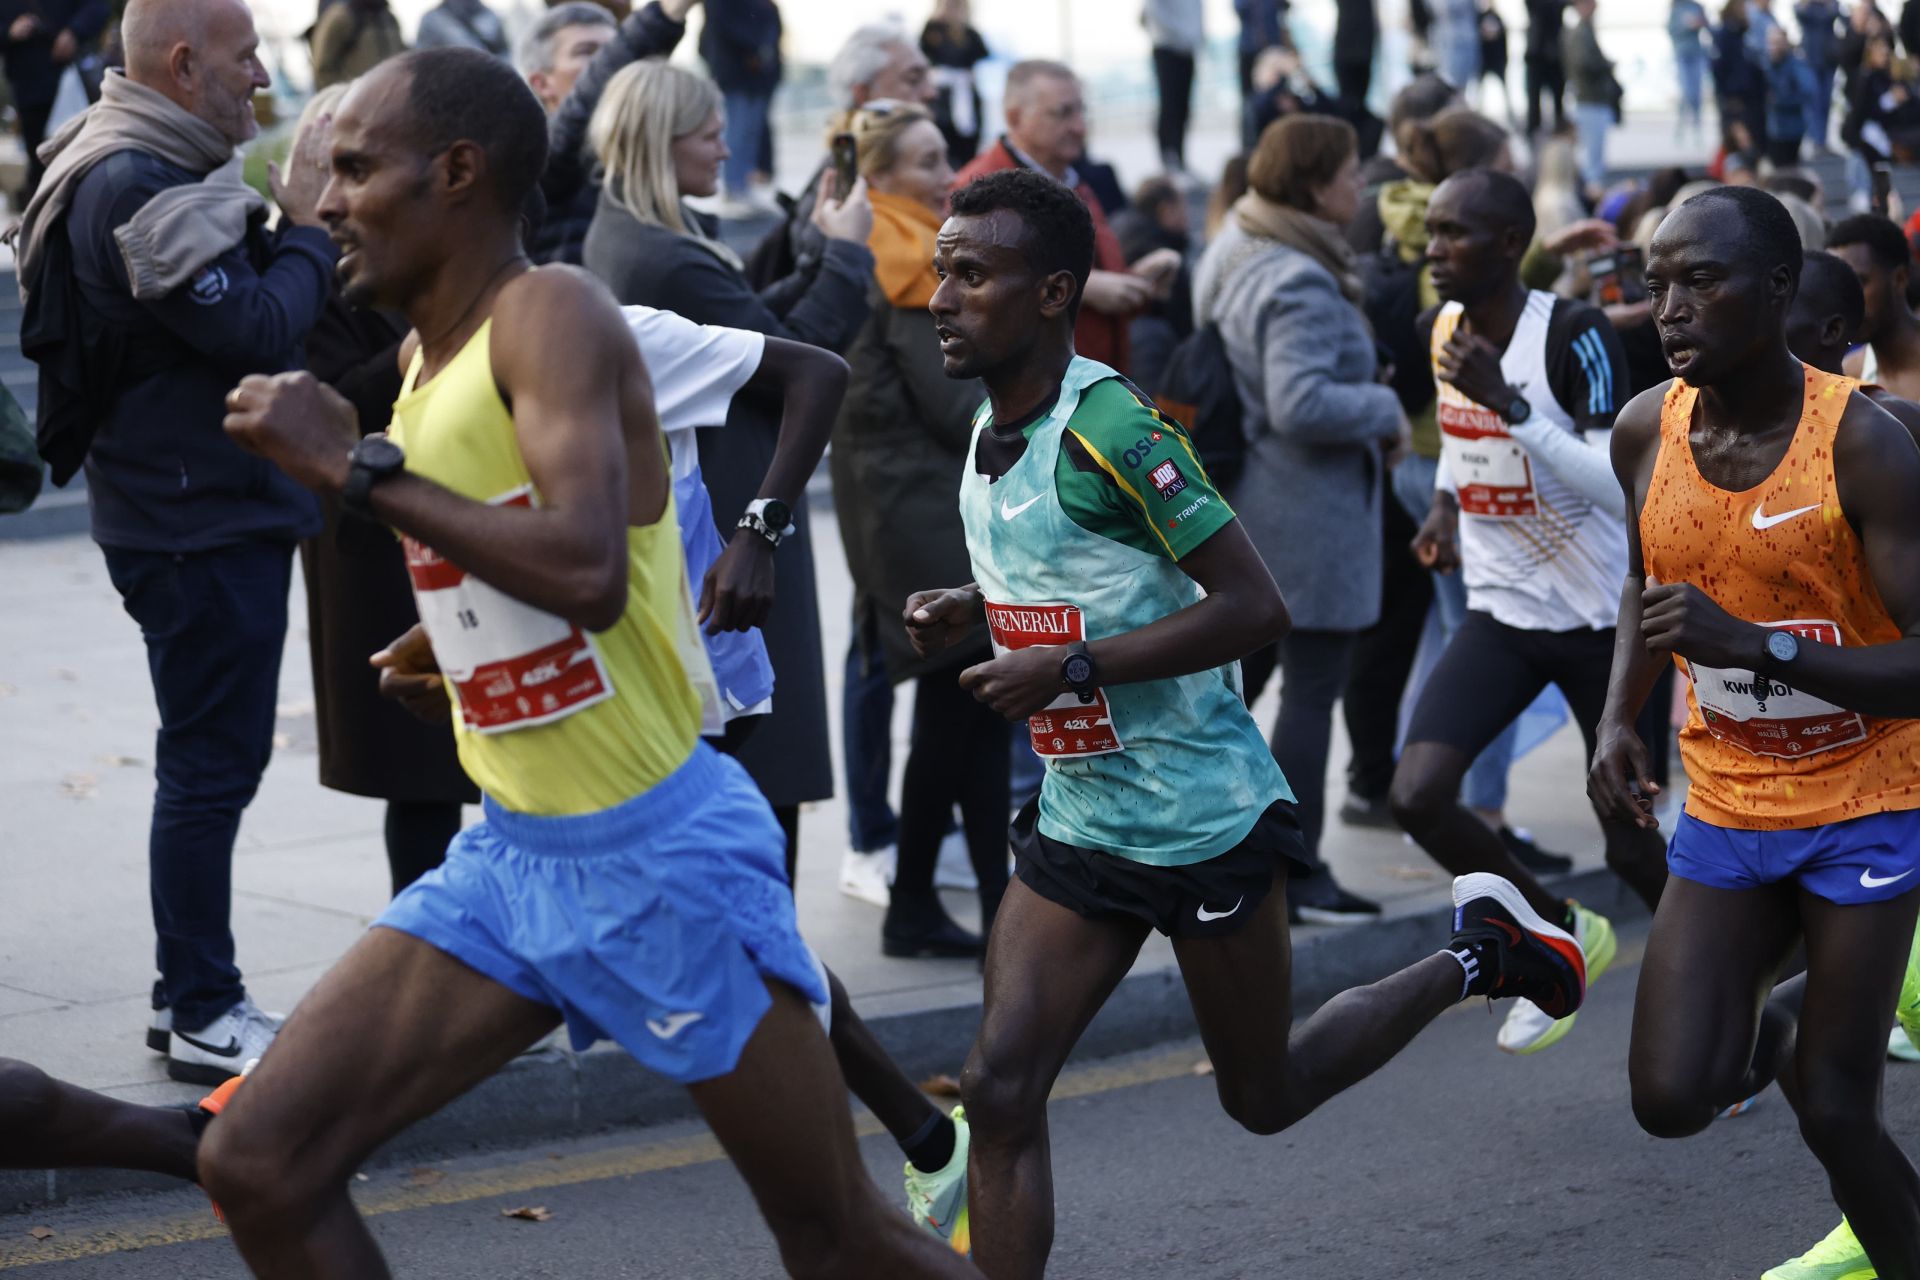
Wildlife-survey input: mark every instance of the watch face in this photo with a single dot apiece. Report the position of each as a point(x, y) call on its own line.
point(379, 454)
point(1519, 411)
point(1783, 646)
point(1079, 668)
point(777, 515)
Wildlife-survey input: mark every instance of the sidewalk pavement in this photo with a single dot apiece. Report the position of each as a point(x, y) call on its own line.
point(77, 722)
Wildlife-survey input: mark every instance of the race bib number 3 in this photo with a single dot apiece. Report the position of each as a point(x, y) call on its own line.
point(1490, 468)
point(1769, 718)
point(1067, 727)
point(511, 665)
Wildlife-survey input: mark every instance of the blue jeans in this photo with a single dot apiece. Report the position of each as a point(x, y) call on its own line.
point(747, 137)
point(866, 735)
point(214, 623)
point(1692, 66)
point(1592, 121)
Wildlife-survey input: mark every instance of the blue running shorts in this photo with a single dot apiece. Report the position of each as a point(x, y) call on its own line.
point(652, 924)
point(1867, 859)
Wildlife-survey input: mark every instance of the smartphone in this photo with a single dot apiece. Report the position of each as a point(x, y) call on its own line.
point(1619, 276)
point(846, 164)
point(1882, 189)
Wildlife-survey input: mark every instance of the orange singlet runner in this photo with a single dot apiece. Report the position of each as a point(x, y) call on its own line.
point(1761, 755)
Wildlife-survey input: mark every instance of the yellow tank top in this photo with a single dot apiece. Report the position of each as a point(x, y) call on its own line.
point(1759, 754)
point(549, 719)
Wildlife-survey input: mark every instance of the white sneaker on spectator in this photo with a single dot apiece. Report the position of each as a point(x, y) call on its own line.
point(954, 870)
point(217, 1051)
point(866, 876)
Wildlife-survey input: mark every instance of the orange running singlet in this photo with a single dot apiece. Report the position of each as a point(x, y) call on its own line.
point(1760, 755)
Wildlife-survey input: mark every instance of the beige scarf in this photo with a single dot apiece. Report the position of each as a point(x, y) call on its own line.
point(174, 234)
point(1316, 237)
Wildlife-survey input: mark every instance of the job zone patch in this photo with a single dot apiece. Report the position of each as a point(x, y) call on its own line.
point(1167, 480)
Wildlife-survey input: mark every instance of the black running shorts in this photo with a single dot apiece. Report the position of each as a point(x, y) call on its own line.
point(1200, 900)
point(1491, 672)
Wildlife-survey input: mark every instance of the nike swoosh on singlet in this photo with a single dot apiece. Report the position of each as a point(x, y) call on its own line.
point(1008, 513)
point(1761, 520)
point(1868, 880)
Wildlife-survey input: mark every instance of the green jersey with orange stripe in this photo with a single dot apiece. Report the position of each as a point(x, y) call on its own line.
point(1125, 471)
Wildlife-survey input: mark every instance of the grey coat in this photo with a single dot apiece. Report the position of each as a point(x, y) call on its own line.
point(1303, 362)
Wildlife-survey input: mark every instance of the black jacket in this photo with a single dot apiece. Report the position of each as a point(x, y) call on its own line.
point(568, 182)
point(653, 266)
point(33, 77)
point(162, 475)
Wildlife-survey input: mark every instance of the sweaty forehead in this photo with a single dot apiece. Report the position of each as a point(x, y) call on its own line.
point(994, 238)
point(1696, 232)
point(372, 117)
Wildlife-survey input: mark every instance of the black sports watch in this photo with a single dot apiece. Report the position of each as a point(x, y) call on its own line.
point(1518, 410)
point(771, 518)
point(374, 458)
point(1076, 671)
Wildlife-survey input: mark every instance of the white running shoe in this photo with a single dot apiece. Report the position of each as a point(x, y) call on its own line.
point(221, 1049)
point(160, 1030)
point(1900, 1046)
point(866, 876)
point(954, 870)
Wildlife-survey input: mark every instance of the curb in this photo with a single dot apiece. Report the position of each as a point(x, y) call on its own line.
point(557, 1094)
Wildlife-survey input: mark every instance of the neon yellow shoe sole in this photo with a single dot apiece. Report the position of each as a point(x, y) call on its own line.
point(1838, 1257)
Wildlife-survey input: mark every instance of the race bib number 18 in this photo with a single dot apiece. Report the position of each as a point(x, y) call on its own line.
point(511, 665)
point(1067, 727)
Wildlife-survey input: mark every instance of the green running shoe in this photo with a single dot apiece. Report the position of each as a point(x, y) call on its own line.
point(938, 1201)
point(1529, 1030)
point(1838, 1257)
point(1905, 1038)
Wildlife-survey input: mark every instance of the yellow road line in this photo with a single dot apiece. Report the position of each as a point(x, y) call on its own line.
point(526, 1175)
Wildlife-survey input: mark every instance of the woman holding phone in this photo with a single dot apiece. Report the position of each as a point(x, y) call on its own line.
point(898, 451)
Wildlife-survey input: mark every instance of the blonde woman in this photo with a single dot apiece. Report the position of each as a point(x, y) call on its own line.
point(898, 450)
point(660, 133)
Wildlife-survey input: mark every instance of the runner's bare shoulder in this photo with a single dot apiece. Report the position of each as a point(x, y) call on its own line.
point(1636, 430)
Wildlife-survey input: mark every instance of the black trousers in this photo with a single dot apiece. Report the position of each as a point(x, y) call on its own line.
point(1383, 658)
point(1173, 75)
point(1353, 78)
point(33, 131)
point(1550, 78)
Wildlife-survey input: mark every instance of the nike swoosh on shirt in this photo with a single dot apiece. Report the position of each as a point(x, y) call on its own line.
point(1761, 520)
point(1205, 914)
point(673, 1024)
point(1008, 513)
point(1868, 880)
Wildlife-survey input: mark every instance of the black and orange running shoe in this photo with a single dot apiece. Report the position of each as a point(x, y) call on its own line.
point(1518, 954)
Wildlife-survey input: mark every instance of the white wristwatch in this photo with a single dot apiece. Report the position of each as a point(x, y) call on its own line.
point(770, 518)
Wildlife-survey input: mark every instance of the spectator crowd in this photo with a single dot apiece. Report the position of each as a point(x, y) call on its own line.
point(1291, 331)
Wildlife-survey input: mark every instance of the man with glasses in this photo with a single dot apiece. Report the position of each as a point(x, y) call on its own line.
point(1046, 114)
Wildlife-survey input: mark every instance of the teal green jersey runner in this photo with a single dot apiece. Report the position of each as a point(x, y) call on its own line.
point(1166, 772)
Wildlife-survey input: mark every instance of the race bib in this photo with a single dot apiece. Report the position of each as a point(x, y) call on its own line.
point(512, 665)
point(1067, 727)
point(1759, 714)
point(1490, 469)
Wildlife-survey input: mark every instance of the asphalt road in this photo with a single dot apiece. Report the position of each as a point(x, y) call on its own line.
point(1456, 1161)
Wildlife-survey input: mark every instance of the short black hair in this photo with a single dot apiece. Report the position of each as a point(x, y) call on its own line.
point(1503, 198)
point(1771, 238)
point(1059, 228)
point(465, 95)
point(1829, 286)
point(1886, 243)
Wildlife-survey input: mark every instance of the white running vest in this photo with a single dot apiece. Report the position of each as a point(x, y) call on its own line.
point(1534, 553)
